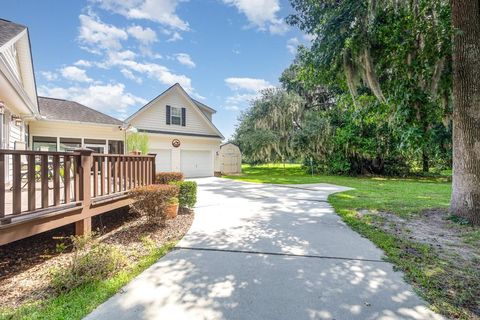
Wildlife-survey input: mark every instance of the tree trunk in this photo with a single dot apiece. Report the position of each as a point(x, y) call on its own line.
point(466, 113)
point(425, 161)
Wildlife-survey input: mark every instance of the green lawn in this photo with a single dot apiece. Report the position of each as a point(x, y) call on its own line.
point(451, 287)
point(402, 196)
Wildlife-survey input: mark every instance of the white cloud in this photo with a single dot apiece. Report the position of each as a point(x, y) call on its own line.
point(111, 98)
point(248, 84)
point(75, 74)
point(185, 59)
point(95, 34)
point(161, 11)
point(49, 76)
point(262, 14)
point(155, 71)
point(292, 45)
point(145, 36)
point(239, 101)
point(309, 37)
point(129, 75)
point(83, 63)
point(245, 90)
point(175, 36)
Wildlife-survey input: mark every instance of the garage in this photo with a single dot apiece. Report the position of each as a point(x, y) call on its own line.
point(163, 160)
point(196, 163)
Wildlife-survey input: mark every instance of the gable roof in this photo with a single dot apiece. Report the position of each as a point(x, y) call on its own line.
point(195, 103)
point(59, 109)
point(9, 30)
point(204, 106)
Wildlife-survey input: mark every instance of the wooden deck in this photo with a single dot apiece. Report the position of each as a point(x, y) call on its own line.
point(52, 189)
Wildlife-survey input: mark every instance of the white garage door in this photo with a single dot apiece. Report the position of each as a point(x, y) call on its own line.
point(163, 160)
point(196, 163)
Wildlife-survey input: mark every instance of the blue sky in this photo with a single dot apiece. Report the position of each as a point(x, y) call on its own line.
point(116, 55)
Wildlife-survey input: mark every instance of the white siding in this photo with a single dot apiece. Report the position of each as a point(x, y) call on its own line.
point(15, 134)
point(11, 57)
point(154, 117)
point(75, 130)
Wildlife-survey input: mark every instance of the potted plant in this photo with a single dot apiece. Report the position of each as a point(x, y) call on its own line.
point(172, 208)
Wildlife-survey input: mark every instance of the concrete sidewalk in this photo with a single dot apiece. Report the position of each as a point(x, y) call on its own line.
point(267, 252)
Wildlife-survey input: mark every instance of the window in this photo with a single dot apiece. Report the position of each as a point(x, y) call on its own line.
point(176, 116)
point(45, 143)
point(69, 144)
point(115, 147)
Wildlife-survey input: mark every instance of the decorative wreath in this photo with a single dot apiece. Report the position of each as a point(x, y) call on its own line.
point(176, 143)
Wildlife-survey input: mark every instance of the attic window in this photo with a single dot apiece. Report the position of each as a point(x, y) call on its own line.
point(176, 116)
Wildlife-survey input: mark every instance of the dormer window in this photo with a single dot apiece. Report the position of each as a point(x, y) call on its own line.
point(176, 116)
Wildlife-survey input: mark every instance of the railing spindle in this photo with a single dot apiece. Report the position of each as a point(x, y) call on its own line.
point(67, 167)
point(44, 180)
point(108, 163)
point(56, 180)
point(115, 173)
point(31, 180)
point(95, 176)
point(76, 177)
point(102, 175)
point(120, 171)
point(16, 184)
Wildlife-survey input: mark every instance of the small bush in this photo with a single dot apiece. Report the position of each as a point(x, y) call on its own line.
point(150, 201)
point(187, 194)
point(91, 261)
point(167, 177)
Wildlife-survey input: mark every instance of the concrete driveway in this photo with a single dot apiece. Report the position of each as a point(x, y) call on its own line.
point(267, 252)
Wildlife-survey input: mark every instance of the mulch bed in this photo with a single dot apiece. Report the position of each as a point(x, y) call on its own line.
point(25, 264)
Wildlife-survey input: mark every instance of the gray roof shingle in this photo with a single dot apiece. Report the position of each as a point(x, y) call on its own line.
point(9, 30)
point(58, 109)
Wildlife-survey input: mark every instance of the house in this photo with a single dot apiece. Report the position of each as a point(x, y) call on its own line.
point(64, 125)
point(18, 93)
point(181, 132)
point(179, 128)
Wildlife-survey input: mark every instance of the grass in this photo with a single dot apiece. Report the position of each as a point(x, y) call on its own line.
point(451, 287)
point(79, 302)
point(400, 195)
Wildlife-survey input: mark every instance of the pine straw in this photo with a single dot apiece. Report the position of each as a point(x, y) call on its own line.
point(25, 265)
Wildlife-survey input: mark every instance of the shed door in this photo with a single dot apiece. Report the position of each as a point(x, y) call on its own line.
point(196, 163)
point(163, 160)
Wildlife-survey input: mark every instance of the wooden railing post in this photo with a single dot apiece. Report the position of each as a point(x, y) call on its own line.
point(84, 226)
point(153, 160)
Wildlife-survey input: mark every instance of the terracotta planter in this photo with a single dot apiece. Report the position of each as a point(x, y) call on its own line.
point(172, 210)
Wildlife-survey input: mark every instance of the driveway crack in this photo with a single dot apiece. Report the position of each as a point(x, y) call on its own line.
point(279, 254)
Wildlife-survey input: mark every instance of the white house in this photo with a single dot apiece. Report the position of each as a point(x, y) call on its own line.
point(179, 128)
point(181, 132)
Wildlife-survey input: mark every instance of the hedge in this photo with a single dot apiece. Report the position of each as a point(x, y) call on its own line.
point(187, 195)
point(167, 177)
point(152, 200)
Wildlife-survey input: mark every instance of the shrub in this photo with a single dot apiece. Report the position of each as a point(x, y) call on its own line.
point(150, 201)
point(167, 177)
point(91, 261)
point(187, 194)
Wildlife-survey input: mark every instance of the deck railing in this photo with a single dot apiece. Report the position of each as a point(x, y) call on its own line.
point(36, 183)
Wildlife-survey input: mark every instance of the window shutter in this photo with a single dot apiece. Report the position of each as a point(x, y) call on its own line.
point(184, 117)
point(168, 114)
